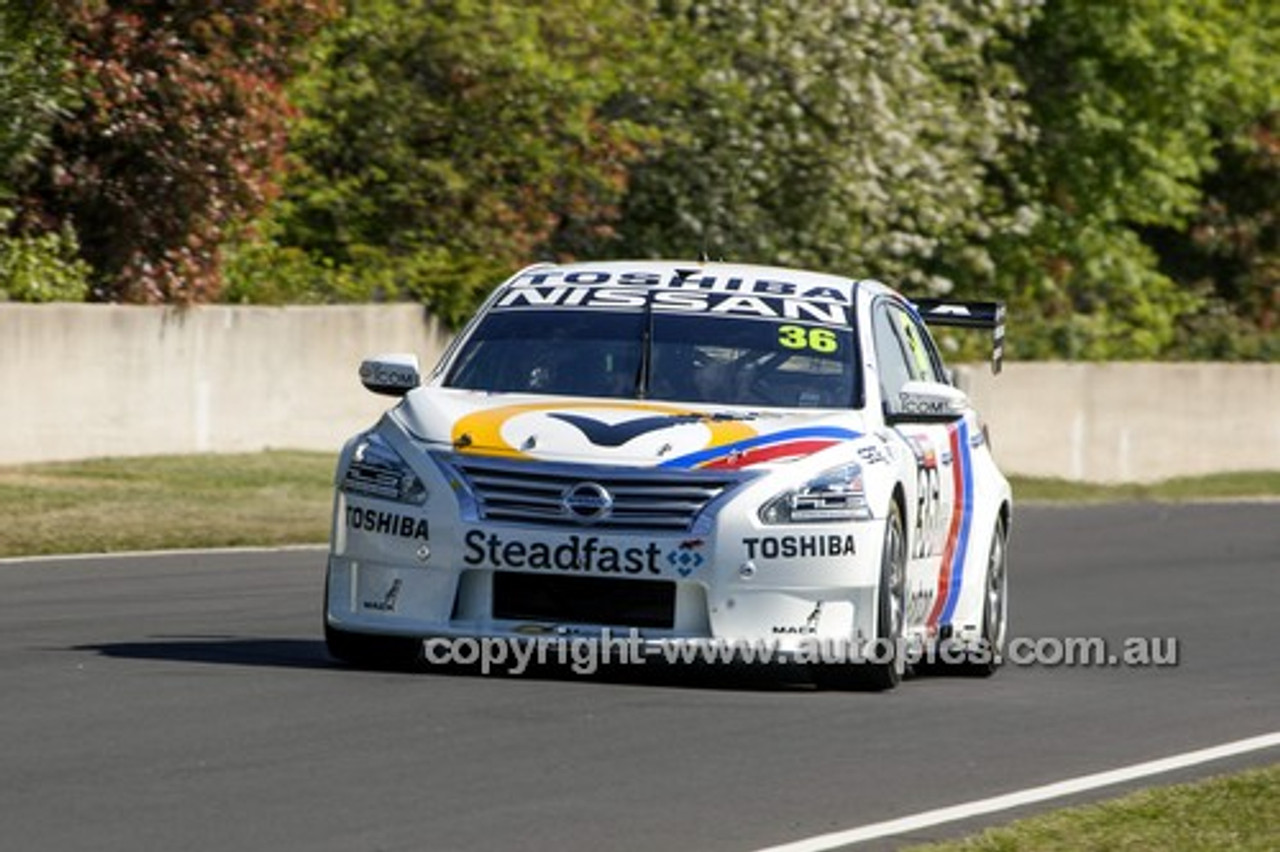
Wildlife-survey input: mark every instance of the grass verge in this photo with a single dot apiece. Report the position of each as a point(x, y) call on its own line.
point(1230, 813)
point(164, 502)
point(284, 497)
point(1218, 486)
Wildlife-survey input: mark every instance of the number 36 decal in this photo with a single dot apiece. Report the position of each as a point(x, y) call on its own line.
point(815, 339)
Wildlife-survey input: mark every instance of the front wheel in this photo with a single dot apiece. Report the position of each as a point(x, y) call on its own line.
point(887, 666)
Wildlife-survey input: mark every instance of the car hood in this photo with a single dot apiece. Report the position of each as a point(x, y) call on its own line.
point(620, 432)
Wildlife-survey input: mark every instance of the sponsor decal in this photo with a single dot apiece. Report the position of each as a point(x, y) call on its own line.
point(683, 280)
point(386, 523)
point(928, 528)
point(799, 546)
point(809, 628)
point(685, 559)
point(388, 602)
point(872, 454)
point(585, 554)
point(709, 303)
point(686, 291)
point(910, 403)
point(922, 447)
point(389, 375)
point(919, 602)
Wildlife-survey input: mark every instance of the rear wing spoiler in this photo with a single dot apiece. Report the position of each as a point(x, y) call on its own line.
point(960, 314)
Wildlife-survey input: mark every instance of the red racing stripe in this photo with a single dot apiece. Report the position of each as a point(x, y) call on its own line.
point(953, 531)
point(758, 455)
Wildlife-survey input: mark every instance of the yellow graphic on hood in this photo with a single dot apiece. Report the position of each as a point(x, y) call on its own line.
point(481, 431)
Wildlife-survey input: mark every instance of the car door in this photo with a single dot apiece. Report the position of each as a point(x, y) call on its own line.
point(905, 352)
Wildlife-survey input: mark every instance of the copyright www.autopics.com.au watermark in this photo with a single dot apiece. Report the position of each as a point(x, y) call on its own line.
point(586, 655)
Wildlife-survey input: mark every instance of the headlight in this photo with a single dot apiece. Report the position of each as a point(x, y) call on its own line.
point(833, 495)
point(378, 470)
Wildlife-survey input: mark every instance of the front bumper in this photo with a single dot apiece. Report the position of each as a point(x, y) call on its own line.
point(395, 572)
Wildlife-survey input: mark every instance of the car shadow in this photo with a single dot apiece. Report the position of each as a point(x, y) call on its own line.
point(312, 654)
point(221, 650)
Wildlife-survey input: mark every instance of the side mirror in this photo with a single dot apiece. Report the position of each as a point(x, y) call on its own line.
point(926, 402)
point(392, 375)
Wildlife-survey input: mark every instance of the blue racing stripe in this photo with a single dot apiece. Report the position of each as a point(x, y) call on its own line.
point(964, 457)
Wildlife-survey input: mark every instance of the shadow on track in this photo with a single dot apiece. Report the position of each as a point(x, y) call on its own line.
point(312, 654)
point(222, 650)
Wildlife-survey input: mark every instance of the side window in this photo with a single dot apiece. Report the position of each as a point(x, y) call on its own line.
point(895, 371)
point(922, 356)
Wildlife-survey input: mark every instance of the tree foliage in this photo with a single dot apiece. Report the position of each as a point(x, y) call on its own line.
point(46, 266)
point(446, 143)
point(857, 136)
point(179, 134)
point(1133, 101)
point(32, 90)
point(1110, 169)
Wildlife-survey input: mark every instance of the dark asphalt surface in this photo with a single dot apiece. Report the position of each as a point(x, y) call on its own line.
point(186, 702)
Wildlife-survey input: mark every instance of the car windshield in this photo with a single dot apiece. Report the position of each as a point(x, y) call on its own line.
point(659, 355)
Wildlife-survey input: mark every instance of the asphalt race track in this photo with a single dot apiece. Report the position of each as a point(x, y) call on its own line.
point(186, 702)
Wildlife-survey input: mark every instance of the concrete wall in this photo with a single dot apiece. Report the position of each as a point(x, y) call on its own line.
point(79, 381)
point(1130, 422)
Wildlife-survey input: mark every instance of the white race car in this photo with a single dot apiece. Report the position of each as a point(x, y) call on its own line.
point(682, 454)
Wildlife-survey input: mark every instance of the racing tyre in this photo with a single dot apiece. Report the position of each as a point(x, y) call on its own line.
point(995, 607)
point(886, 670)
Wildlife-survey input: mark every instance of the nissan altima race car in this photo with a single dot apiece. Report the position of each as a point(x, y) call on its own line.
point(688, 455)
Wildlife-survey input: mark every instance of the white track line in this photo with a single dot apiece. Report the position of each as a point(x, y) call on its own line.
point(1057, 790)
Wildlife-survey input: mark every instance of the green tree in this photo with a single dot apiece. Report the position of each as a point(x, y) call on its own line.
point(178, 135)
point(1132, 100)
point(447, 143)
point(1229, 256)
point(32, 91)
point(858, 136)
point(35, 264)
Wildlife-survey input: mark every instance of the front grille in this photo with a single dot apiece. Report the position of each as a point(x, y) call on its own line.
point(535, 493)
point(584, 600)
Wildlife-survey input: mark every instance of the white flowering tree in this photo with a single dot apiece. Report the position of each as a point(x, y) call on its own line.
point(858, 136)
